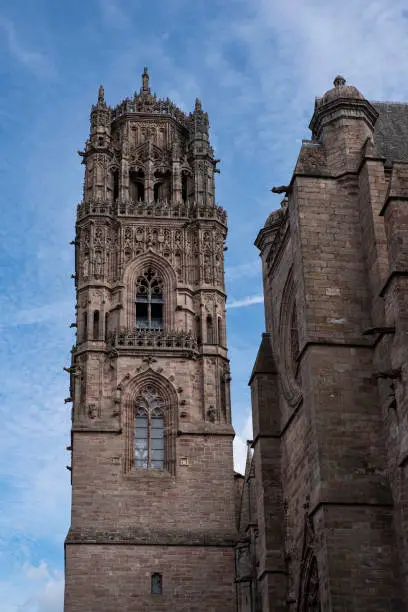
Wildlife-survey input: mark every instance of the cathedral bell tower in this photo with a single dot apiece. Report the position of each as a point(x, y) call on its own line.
point(152, 522)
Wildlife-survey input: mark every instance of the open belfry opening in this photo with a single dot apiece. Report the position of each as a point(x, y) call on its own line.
point(319, 520)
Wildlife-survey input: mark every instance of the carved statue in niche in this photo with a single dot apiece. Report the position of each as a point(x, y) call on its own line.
point(109, 239)
point(243, 561)
point(92, 411)
point(139, 234)
point(206, 239)
point(177, 265)
point(98, 264)
point(207, 267)
point(98, 237)
point(85, 267)
point(218, 269)
point(211, 414)
point(128, 237)
point(87, 238)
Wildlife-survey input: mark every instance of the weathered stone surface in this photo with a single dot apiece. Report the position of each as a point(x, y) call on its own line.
point(328, 472)
point(151, 342)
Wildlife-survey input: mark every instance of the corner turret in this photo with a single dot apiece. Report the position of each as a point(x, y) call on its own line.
point(342, 121)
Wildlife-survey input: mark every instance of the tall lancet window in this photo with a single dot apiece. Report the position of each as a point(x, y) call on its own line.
point(149, 430)
point(149, 301)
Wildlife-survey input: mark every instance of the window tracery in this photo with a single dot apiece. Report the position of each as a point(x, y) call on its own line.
point(309, 588)
point(289, 344)
point(149, 301)
point(149, 429)
point(294, 340)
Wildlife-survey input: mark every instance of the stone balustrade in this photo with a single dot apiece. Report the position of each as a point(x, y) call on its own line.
point(153, 338)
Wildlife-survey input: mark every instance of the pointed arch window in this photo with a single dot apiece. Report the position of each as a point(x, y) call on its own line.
point(294, 340)
point(149, 430)
point(115, 180)
point(210, 330)
point(149, 301)
point(95, 330)
point(311, 601)
point(184, 192)
point(137, 185)
point(156, 584)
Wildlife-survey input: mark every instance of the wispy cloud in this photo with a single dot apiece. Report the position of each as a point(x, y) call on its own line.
point(34, 589)
point(53, 313)
point(240, 445)
point(113, 13)
point(38, 63)
point(257, 66)
point(292, 52)
point(48, 595)
point(247, 301)
point(48, 312)
point(249, 269)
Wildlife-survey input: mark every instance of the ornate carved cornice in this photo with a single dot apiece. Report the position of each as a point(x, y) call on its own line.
point(146, 103)
point(161, 209)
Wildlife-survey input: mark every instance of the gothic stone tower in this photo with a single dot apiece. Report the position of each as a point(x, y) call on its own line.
point(152, 474)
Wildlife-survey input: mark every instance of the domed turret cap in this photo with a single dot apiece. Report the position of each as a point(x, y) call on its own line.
point(341, 90)
point(341, 101)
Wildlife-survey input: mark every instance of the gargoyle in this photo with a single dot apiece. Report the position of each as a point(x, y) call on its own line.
point(282, 189)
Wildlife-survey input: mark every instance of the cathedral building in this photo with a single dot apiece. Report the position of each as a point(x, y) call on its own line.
point(319, 521)
point(323, 515)
point(152, 520)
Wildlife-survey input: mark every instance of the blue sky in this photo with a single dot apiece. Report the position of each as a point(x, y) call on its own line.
point(257, 66)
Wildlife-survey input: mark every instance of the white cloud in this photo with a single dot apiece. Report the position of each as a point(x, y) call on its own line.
point(42, 592)
point(49, 597)
point(34, 572)
point(36, 62)
point(247, 301)
point(293, 50)
point(37, 501)
point(52, 597)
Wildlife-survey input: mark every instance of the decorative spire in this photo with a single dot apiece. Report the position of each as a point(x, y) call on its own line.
point(198, 106)
point(145, 80)
point(101, 95)
point(339, 81)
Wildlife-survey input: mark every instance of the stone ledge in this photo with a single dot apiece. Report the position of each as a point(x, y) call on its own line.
point(137, 536)
point(97, 428)
point(357, 492)
point(205, 428)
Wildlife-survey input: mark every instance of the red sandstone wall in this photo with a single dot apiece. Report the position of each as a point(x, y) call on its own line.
point(113, 578)
point(199, 499)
